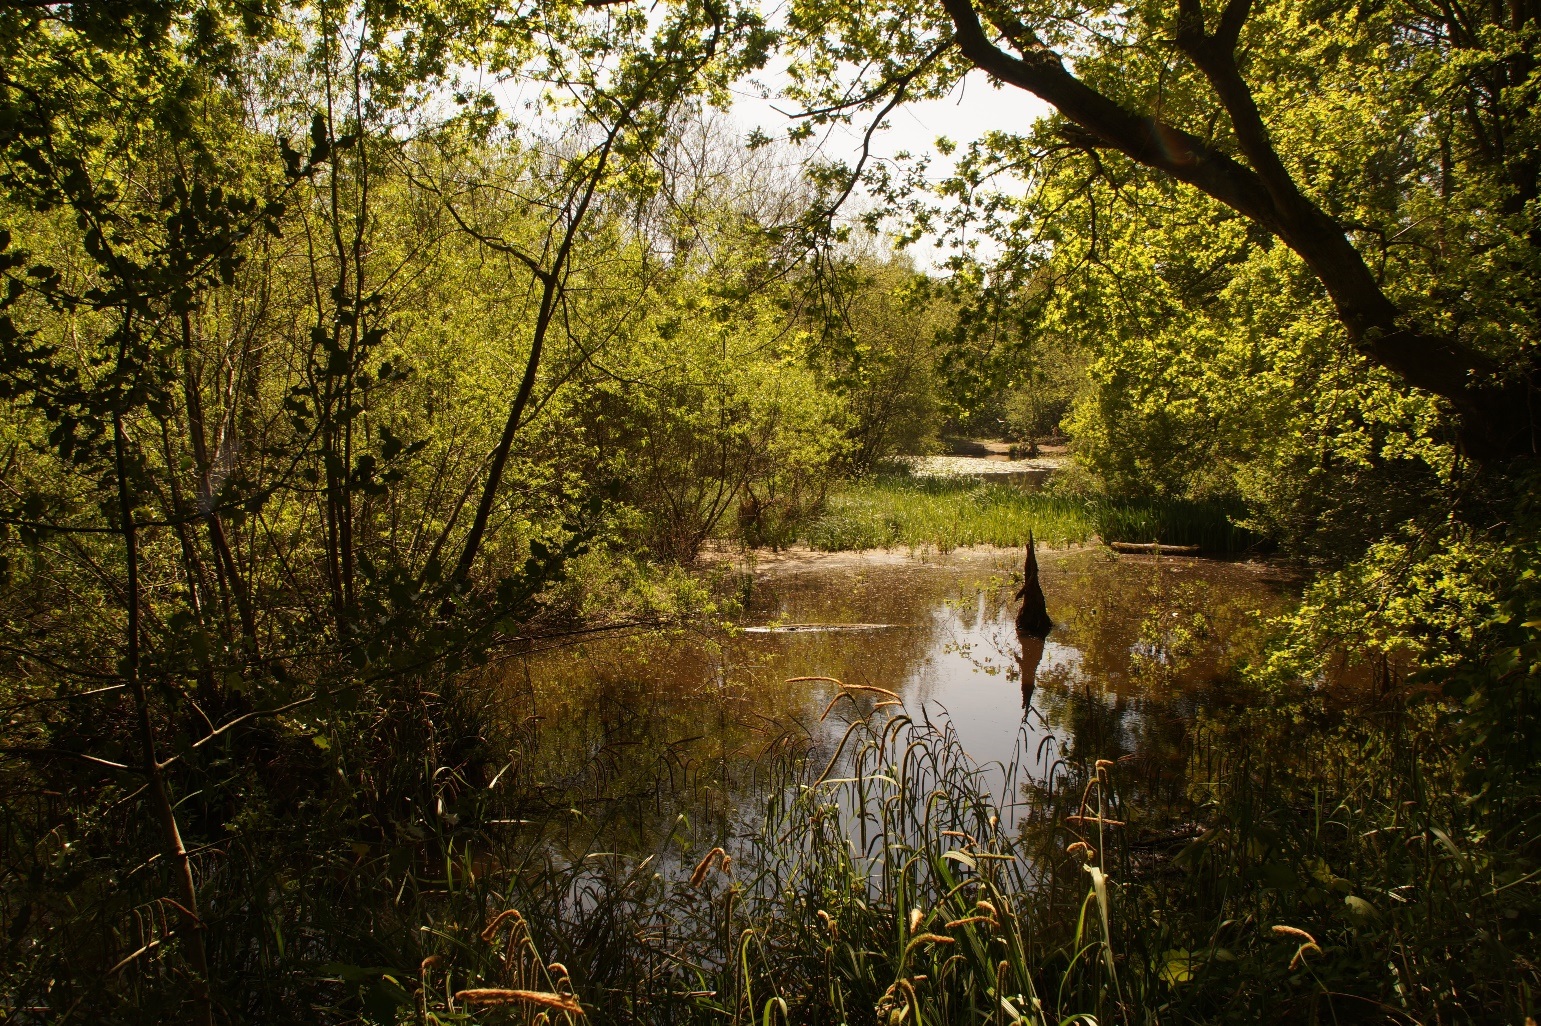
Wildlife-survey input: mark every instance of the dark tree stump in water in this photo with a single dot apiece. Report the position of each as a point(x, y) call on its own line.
point(1034, 616)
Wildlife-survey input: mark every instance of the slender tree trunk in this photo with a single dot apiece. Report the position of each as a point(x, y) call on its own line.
point(336, 407)
point(500, 453)
point(160, 795)
point(228, 573)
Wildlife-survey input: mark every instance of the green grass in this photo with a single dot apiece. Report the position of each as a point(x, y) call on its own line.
point(1211, 526)
point(898, 511)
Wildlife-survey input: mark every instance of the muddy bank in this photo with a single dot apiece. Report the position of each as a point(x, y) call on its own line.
point(993, 557)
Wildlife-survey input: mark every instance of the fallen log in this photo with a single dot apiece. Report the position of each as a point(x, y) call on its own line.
point(816, 628)
point(1154, 548)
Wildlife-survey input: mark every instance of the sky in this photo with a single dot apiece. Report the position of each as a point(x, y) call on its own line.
point(974, 108)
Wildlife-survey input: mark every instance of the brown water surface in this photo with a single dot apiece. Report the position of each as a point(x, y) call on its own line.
point(630, 733)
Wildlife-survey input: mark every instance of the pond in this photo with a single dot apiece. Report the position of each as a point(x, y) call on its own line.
point(627, 734)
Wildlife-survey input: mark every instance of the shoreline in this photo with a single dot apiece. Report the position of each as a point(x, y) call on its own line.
point(802, 558)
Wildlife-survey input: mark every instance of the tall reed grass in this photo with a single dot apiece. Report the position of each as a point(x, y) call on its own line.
point(1316, 876)
point(880, 884)
point(1317, 869)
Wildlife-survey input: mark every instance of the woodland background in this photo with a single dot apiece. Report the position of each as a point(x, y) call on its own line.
point(346, 345)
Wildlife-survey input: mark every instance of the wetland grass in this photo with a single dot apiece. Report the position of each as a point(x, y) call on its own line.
point(1316, 869)
point(895, 511)
point(903, 511)
point(879, 886)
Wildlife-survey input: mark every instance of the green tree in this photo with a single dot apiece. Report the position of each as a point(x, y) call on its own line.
point(879, 349)
point(1392, 149)
point(234, 273)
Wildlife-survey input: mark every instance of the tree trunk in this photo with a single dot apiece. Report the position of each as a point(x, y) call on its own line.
point(1033, 619)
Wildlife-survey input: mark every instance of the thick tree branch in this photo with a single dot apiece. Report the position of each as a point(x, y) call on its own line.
point(1146, 139)
point(1433, 363)
point(1494, 416)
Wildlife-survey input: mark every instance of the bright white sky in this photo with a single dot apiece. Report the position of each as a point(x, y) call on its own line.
point(974, 108)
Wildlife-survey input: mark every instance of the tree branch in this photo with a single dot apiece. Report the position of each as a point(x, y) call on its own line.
point(1495, 416)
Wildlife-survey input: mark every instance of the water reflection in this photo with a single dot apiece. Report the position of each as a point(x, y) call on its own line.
point(1028, 662)
point(634, 731)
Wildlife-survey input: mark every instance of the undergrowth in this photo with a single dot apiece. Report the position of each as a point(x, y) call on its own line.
point(1316, 869)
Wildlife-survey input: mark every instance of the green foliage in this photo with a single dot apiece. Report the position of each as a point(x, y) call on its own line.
point(1329, 879)
point(262, 288)
point(1222, 354)
point(330, 375)
point(703, 422)
point(880, 355)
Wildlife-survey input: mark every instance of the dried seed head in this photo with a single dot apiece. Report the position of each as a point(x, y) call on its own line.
point(928, 938)
point(1082, 849)
point(1295, 932)
point(499, 919)
point(1300, 954)
point(704, 866)
point(915, 916)
point(970, 921)
point(505, 996)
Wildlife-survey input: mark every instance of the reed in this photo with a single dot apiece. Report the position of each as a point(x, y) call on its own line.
point(1312, 875)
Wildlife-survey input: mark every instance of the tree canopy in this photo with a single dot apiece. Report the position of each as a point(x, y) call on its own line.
point(1391, 147)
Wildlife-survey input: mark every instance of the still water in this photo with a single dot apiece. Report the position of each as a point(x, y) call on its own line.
point(628, 733)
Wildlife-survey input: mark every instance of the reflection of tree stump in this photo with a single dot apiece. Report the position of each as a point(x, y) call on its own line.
point(1032, 655)
point(1034, 617)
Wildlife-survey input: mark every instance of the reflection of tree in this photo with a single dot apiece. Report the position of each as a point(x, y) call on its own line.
point(904, 596)
point(1130, 615)
point(634, 731)
point(1157, 640)
point(1031, 655)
